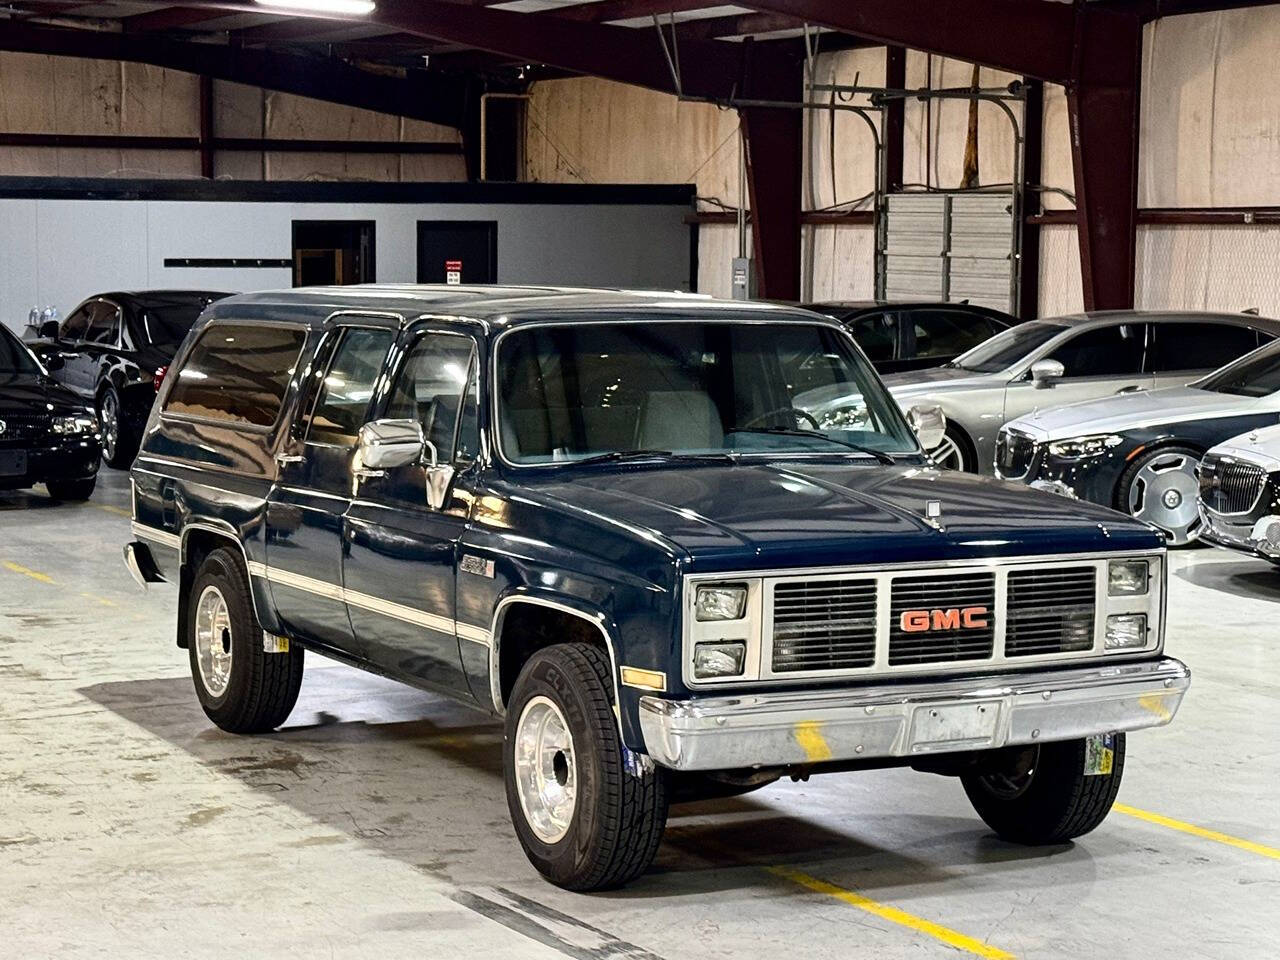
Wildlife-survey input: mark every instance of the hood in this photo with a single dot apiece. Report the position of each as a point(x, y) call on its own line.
point(1131, 411)
point(935, 380)
point(1260, 446)
point(22, 393)
point(819, 513)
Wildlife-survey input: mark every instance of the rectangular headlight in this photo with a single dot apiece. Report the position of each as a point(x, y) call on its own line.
point(724, 601)
point(1126, 631)
point(1128, 578)
point(721, 658)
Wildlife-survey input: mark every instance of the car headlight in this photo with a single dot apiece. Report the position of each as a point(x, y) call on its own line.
point(725, 601)
point(725, 658)
point(1080, 448)
point(1126, 631)
point(1128, 578)
point(80, 423)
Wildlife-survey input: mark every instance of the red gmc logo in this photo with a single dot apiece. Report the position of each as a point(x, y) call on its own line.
point(956, 618)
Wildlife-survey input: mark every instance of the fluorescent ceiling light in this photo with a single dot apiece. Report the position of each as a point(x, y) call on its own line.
point(355, 7)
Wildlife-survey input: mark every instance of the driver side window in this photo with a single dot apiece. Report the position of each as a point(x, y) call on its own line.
point(1106, 352)
point(438, 387)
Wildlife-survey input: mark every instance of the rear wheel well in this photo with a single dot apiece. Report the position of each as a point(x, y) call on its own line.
point(529, 627)
point(196, 545)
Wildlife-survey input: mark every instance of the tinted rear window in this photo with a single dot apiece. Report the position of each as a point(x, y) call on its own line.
point(238, 373)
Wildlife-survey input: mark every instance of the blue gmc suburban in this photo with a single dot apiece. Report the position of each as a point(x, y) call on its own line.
point(684, 547)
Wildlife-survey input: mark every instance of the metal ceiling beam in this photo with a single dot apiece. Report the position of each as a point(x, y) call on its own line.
point(606, 10)
point(736, 25)
point(169, 18)
point(419, 95)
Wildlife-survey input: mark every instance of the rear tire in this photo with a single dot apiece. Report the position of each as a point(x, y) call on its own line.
point(71, 489)
point(1041, 794)
point(585, 821)
point(242, 688)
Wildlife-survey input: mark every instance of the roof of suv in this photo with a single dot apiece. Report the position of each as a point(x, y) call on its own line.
point(509, 305)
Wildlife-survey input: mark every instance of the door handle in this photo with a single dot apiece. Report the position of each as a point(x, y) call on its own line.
point(283, 459)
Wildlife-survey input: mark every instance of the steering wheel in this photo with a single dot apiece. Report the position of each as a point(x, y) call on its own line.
point(769, 413)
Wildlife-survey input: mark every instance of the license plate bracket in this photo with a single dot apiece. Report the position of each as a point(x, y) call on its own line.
point(13, 463)
point(967, 725)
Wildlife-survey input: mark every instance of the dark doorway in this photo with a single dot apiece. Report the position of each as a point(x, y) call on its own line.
point(332, 252)
point(457, 251)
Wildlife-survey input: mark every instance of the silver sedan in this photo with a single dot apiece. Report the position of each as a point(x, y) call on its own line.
point(1061, 360)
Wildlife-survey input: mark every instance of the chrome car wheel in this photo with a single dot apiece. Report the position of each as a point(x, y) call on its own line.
point(109, 417)
point(1163, 493)
point(948, 455)
point(213, 641)
point(545, 771)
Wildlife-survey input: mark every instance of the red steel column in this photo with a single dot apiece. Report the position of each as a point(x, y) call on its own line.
point(774, 138)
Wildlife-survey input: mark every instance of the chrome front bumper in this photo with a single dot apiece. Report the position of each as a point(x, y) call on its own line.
point(904, 720)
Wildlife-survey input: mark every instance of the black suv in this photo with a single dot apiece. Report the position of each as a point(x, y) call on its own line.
point(902, 336)
point(114, 349)
point(47, 435)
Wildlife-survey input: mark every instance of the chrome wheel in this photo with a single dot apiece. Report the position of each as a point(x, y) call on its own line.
point(1163, 493)
point(545, 771)
point(949, 455)
point(213, 641)
point(109, 418)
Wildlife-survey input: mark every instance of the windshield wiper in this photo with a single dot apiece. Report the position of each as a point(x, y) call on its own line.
point(880, 455)
point(621, 456)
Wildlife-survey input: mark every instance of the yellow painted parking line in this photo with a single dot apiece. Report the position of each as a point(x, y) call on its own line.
point(118, 511)
point(1190, 828)
point(27, 571)
point(97, 599)
point(943, 934)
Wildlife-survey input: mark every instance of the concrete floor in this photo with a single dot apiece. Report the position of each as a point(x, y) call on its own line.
point(375, 824)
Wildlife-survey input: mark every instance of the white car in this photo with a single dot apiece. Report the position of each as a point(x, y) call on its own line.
point(1240, 494)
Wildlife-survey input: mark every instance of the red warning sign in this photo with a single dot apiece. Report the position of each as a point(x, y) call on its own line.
point(453, 272)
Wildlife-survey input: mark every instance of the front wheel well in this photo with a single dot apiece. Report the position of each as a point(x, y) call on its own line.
point(1122, 481)
point(528, 627)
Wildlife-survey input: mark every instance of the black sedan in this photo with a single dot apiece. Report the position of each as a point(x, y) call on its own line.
point(47, 434)
point(1139, 452)
point(898, 337)
point(113, 350)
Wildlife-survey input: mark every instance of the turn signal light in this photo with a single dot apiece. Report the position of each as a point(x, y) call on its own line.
point(159, 377)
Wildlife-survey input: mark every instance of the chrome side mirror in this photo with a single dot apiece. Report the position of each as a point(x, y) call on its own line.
point(929, 423)
point(439, 476)
point(1044, 372)
point(385, 444)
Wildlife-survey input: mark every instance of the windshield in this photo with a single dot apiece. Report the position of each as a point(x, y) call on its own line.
point(1253, 375)
point(14, 357)
point(690, 388)
point(1005, 349)
point(165, 322)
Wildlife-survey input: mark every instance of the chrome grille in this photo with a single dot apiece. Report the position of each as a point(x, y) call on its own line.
point(23, 428)
point(943, 644)
point(1230, 486)
point(1015, 454)
point(1050, 611)
point(824, 625)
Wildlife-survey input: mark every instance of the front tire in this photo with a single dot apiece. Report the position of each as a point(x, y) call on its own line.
point(78, 490)
point(119, 445)
point(955, 452)
point(242, 688)
point(1042, 794)
point(1161, 488)
point(584, 820)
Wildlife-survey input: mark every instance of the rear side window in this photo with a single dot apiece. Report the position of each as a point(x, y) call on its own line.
point(948, 333)
point(238, 373)
point(1199, 346)
point(1104, 352)
point(877, 335)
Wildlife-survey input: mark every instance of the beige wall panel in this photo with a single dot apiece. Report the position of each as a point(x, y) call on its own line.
point(238, 166)
point(430, 166)
point(843, 260)
point(1209, 268)
point(332, 166)
point(1056, 168)
point(596, 131)
point(420, 130)
point(855, 156)
point(934, 148)
point(717, 246)
point(237, 110)
point(303, 118)
point(1211, 110)
point(1061, 289)
point(159, 103)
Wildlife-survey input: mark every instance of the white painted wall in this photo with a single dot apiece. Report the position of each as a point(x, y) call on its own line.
point(60, 251)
